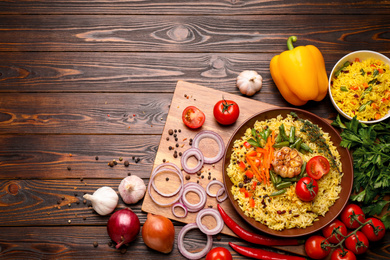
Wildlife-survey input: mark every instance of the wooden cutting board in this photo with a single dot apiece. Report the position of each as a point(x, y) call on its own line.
point(188, 94)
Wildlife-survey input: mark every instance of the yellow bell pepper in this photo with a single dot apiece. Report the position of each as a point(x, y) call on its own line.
point(300, 74)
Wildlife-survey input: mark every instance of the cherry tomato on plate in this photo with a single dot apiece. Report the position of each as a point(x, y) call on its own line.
point(339, 254)
point(219, 253)
point(315, 247)
point(330, 231)
point(350, 214)
point(374, 231)
point(193, 117)
point(226, 112)
point(358, 243)
point(306, 189)
point(317, 167)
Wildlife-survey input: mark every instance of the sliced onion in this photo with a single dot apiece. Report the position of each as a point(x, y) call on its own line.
point(187, 154)
point(157, 170)
point(194, 187)
point(184, 252)
point(210, 184)
point(213, 135)
point(210, 212)
point(155, 173)
point(219, 193)
point(179, 205)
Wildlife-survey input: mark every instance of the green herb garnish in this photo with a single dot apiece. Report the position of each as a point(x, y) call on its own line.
point(370, 147)
point(315, 135)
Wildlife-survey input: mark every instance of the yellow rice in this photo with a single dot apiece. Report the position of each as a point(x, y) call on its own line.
point(351, 89)
point(285, 211)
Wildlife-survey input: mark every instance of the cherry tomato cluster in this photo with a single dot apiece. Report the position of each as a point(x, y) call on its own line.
point(350, 235)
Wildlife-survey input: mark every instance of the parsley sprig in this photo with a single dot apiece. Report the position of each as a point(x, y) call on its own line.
point(370, 146)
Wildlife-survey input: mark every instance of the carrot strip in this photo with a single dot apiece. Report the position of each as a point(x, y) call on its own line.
point(254, 168)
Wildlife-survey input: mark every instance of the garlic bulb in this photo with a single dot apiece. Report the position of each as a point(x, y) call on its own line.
point(132, 189)
point(249, 82)
point(104, 200)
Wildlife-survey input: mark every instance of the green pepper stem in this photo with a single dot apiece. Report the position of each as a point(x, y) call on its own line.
point(290, 41)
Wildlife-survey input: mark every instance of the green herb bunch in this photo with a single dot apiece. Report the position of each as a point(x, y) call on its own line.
point(370, 146)
point(315, 135)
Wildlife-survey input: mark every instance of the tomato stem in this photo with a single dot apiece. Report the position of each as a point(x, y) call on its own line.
point(325, 243)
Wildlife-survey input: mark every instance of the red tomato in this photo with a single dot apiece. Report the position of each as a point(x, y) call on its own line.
point(306, 189)
point(374, 231)
point(317, 166)
point(339, 254)
point(330, 231)
point(226, 112)
point(315, 247)
point(350, 214)
point(219, 253)
point(193, 117)
point(358, 243)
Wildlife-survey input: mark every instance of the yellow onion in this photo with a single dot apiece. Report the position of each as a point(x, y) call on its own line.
point(158, 233)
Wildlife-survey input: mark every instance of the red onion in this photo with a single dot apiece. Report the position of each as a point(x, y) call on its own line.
point(214, 213)
point(160, 168)
point(123, 226)
point(210, 184)
point(187, 154)
point(219, 193)
point(179, 205)
point(216, 137)
point(184, 252)
point(194, 187)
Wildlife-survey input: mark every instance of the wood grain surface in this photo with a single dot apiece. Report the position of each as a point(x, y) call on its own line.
point(85, 82)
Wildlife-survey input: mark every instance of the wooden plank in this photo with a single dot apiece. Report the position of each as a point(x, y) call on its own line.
point(49, 156)
point(55, 202)
point(104, 113)
point(180, 33)
point(217, 7)
point(126, 72)
point(81, 113)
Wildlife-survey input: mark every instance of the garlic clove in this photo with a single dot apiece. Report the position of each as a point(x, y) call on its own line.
point(249, 82)
point(104, 200)
point(132, 189)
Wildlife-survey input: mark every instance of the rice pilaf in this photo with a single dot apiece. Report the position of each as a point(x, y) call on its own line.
point(284, 211)
point(362, 89)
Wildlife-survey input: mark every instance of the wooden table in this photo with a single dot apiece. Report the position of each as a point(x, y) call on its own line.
point(85, 82)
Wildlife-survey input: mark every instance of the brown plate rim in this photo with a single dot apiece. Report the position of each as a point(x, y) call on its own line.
point(347, 167)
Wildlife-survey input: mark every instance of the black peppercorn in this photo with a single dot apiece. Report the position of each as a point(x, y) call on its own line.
point(126, 163)
point(170, 132)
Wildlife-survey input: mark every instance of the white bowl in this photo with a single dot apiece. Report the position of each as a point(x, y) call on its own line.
point(362, 55)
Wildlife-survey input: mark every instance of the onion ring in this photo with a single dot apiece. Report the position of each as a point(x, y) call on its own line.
point(187, 154)
point(214, 213)
point(178, 204)
point(216, 137)
point(219, 193)
point(194, 187)
point(184, 252)
point(157, 170)
point(163, 169)
point(210, 184)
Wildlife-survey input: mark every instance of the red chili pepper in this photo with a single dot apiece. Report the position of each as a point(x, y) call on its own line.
point(258, 253)
point(247, 145)
point(256, 238)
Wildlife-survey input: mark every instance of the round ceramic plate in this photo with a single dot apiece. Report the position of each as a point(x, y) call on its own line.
point(347, 169)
